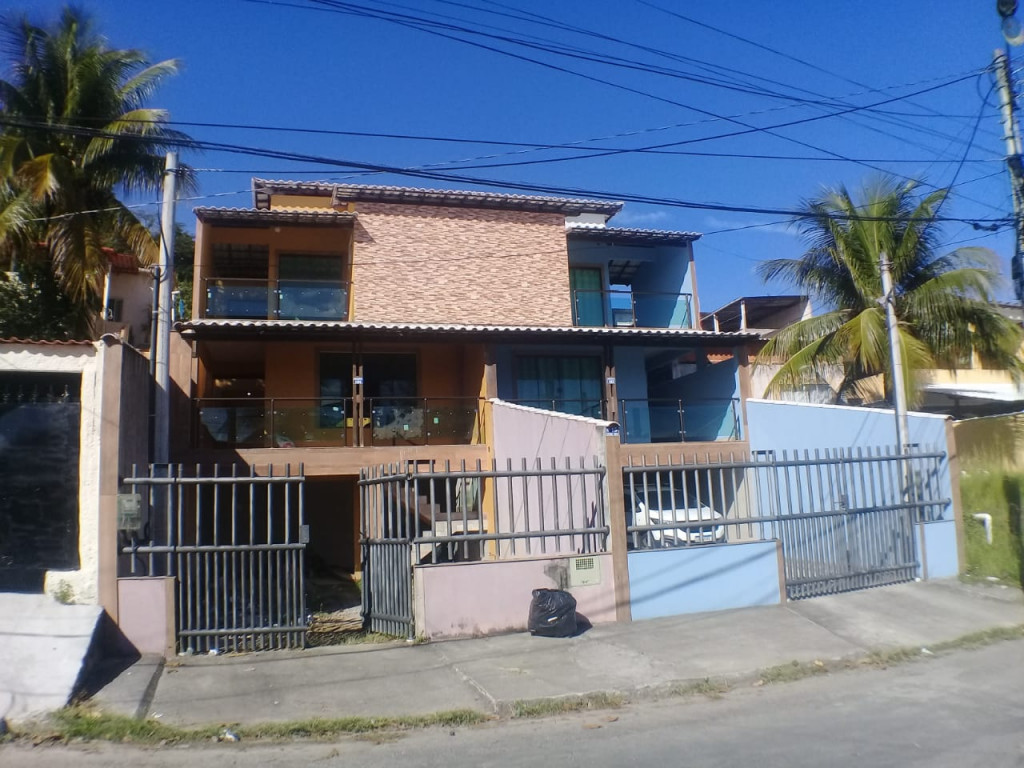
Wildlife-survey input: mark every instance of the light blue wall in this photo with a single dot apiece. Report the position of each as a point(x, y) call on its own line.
point(663, 269)
point(669, 582)
point(777, 426)
point(939, 559)
point(795, 426)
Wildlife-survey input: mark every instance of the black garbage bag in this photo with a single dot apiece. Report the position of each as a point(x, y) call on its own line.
point(552, 613)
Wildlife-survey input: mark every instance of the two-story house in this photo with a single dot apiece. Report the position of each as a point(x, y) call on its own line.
point(343, 326)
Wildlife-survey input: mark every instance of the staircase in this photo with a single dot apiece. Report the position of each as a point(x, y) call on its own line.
point(45, 648)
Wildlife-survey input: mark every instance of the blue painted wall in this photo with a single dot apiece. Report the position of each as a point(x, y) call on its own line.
point(940, 551)
point(779, 426)
point(795, 426)
point(670, 582)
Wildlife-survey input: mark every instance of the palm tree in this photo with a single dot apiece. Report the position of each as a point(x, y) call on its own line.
point(943, 302)
point(75, 134)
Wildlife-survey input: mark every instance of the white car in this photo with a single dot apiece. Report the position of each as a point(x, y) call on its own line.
point(653, 506)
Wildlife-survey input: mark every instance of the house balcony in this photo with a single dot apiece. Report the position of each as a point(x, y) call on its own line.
point(631, 309)
point(678, 421)
point(334, 422)
point(237, 298)
point(659, 421)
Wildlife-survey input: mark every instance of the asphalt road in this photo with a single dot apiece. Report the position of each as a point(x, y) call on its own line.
point(964, 708)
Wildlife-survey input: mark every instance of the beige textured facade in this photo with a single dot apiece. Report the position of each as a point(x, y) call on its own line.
point(432, 264)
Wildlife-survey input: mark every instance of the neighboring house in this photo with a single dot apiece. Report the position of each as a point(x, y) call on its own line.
point(127, 308)
point(967, 390)
point(343, 326)
point(767, 315)
point(970, 389)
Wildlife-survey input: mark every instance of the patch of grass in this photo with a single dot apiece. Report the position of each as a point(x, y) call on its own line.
point(87, 724)
point(710, 687)
point(793, 671)
point(83, 722)
point(566, 704)
point(999, 494)
point(323, 728)
point(981, 639)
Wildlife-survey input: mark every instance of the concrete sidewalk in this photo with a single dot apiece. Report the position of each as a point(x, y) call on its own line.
point(490, 674)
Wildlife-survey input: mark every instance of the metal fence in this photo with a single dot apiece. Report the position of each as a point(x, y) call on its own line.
point(424, 513)
point(235, 545)
point(845, 517)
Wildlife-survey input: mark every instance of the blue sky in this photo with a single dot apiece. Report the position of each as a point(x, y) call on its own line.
point(286, 64)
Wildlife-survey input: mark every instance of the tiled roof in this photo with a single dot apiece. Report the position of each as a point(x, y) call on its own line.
point(629, 235)
point(250, 216)
point(262, 189)
point(50, 342)
point(122, 262)
point(324, 327)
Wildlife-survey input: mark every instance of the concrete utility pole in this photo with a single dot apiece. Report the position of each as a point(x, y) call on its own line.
point(1011, 136)
point(162, 336)
point(896, 352)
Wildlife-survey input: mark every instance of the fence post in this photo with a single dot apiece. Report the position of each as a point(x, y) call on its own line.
point(953, 468)
point(615, 504)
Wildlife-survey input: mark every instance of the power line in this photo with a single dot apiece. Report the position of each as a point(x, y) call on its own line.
point(402, 20)
point(461, 179)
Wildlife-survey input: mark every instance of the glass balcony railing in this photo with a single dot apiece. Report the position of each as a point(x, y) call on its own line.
point(672, 421)
point(334, 422)
point(244, 298)
point(632, 309)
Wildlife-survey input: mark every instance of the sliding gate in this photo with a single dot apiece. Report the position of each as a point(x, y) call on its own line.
point(235, 545)
point(850, 518)
point(846, 519)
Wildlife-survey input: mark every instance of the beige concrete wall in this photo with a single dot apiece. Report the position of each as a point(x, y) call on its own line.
point(992, 442)
point(486, 598)
point(433, 264)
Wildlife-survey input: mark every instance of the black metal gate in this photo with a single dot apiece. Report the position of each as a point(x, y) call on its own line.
point(40, 420)
point(433, 513)
point(235, 545)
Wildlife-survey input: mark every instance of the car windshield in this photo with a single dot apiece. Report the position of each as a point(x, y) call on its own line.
point(663, 497)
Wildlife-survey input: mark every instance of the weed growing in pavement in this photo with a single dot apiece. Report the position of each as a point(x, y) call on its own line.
point(88, 724)
point(565, 704)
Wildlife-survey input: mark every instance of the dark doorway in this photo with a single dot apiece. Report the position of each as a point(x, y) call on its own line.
point(40, 417)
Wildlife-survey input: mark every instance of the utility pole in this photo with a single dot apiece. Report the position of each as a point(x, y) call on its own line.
point(162, 336)
point(1011, 136)
point(895, 350)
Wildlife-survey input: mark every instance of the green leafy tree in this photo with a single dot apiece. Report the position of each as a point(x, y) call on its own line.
point(76, 133)
point(32, 306)
point(184, 268)
point(944, 302)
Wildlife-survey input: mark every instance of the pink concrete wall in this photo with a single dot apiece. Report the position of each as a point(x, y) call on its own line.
point(531, 434)
point(146, 613)
point(485, 598)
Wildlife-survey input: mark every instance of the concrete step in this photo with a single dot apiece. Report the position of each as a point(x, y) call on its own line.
point(45, 649)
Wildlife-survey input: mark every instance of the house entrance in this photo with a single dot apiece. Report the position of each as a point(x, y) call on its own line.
point(40, 418)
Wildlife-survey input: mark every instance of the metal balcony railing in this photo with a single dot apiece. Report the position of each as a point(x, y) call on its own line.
point(639, 309)
point(332, 422)
point(664, 420)
point(245, 298)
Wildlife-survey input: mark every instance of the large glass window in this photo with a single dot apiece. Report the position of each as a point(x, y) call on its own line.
point(587, 296)
point(389, 383)
point(310, 287)
point(564, 384)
